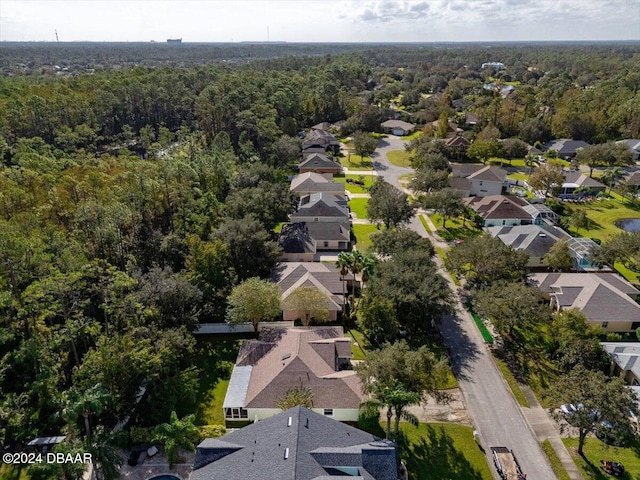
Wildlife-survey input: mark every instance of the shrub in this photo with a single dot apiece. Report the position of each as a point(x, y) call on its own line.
point(140, 434)
point(212, 431)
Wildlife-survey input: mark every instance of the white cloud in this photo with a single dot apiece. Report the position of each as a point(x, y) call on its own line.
point(317, 21)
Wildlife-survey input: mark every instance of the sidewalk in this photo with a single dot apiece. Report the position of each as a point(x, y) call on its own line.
point(546, 428)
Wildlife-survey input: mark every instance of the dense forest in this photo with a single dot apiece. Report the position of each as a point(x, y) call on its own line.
point(133, 199)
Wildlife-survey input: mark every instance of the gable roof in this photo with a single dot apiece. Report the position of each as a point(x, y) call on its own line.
point(285, 274)
point(625, 354)
point(485, 173)
point(573, 178)
point(457, 141)
point(406, 126)
point(297, 444)
point(315, 182)
point(320, 138)
point(632, 144)
point(499, 207)
point(286, 358)
point(319, 161)
point(602, 297)
point(565, 146)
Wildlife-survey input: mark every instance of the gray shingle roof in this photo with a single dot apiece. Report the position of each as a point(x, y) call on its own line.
point(537, 240)
point(580, 179)
point(565, 146)
point(319, 161)
point(499, 207)
point(313, 447)
point(295, 238)
point(602, 297)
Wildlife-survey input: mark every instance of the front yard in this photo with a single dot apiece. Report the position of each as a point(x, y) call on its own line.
point(359, 207)
point(399, 158)
point(595, 450)
point(356, 162)
point(456, 228)
point(438, 451)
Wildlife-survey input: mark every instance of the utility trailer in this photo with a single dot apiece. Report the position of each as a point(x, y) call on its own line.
point(506, 464)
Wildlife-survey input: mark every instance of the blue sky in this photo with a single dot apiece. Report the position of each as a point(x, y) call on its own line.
point(319, 20)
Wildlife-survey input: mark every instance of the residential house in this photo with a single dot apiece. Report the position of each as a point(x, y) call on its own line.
point(574, 180)
point(537, 240)
point(319, 163)
point(397, 127)
point(498, 210)
point(301, 241)
point(625, 360)
point(326, 126)
point(607, 299)
point(325, 277)
point(322, 207)
point(320, 141)
point(297, 444)
point(311, 182)
point(634, 147)
point(565, 147)
point(471, 119)
point(452, 128)
point(317, 358)
point(633, 181)
point(478, 180)
point(457, 145)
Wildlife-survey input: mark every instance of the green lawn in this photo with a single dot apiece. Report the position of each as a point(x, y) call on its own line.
point(484, 331)
point(556, 464)
point(602, 216)
point(518, 176)
point(356, 188)
point(442, 451)
point(595, 450)
point(443, 257)
point(504, 162)
point(359, 345)
point(425, 224)
point(413, 136)
point(399, 158)
point(216, 355)
point(356, 162)
point(456, 228)
point(359, 206)
point(363, 234)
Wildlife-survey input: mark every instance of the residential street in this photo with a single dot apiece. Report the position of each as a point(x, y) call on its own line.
point(494, 411)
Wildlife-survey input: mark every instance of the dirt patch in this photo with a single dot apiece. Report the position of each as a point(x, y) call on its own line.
point(452, 412)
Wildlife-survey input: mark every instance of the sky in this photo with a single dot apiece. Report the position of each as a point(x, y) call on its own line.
point(319, 20)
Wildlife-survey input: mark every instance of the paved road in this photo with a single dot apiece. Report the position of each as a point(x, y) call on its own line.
point(383, 167)
point(493, 409)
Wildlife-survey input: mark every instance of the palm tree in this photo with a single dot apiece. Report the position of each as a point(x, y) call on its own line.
point(530, 161)
point(177, 434)
point(368, 266)
point(395, 398)
point(92, 401)
point(610, 176)
point(343, 263)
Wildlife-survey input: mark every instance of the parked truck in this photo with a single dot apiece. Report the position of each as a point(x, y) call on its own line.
point(506, 464)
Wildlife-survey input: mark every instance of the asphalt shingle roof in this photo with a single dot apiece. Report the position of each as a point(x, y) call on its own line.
point(297, 444)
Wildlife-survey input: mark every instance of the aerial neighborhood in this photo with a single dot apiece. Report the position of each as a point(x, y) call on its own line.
point(327, 261)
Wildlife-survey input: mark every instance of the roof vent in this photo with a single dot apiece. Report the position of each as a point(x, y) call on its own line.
point(542, 234)
point(286, 453)
point(285, 356)
point(289, 422)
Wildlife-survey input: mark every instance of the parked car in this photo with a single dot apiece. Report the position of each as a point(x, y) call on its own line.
point(568, 408)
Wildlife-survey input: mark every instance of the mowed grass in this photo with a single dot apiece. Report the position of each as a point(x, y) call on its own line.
point(359, 345)
point(359, 206)
point(595, 450)
point(603, 214)
point(363, 234)
point(512, 382)
point(556, 464)
point(504, 162)
point(424, 223)
point(399, 158)
point(354, 187)
point(455, 229)
point(439, 451)
point(356, 162)
point(216, 355)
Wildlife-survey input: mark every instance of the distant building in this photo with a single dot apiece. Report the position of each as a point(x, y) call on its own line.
point(496, 65)
point(174, 41)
